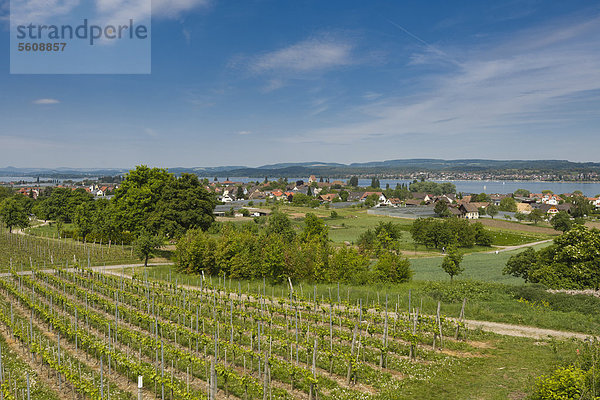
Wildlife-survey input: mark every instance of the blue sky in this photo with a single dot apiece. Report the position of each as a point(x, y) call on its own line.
point(256, 82)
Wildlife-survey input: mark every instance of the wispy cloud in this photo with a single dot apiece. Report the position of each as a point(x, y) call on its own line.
point(106, 10)
point(502, 87)
point(314, 54)
point(244, 133)
point(46, 101)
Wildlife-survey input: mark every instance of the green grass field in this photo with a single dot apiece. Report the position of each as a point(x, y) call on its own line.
point(484, 266)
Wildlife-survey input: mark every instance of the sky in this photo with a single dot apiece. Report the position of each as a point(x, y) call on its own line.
point(254, 82)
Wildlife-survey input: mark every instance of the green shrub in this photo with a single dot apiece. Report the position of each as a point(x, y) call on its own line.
point(562, 302)
point(564, 384)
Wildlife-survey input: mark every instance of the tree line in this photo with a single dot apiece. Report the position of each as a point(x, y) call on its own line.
point(277, 252)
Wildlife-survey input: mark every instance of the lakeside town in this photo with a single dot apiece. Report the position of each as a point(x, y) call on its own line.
point(237, 198)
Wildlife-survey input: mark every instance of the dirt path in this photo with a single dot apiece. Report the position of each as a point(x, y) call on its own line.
point(523, 331)
point(510, 248)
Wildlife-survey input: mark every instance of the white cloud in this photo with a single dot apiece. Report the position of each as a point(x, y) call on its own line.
point(244, 133)
point(46, 101)
point(315, 54)
point(24, 11)
point(525, 81)
point(40, 11)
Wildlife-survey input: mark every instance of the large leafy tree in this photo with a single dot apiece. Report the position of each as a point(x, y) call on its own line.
point(136, 199)
point(183, 204)
point(13, 214)
point(570, 263)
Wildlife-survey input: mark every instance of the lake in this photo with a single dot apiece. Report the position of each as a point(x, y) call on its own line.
point(590, 189)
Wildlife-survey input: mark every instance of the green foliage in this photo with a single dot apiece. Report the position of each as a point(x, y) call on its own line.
point(520, 264)
point(519, 216)
point(521, 193)
point(154, 200)
point(481, 198)
point(301, 199)
point(438, 234)
point(393, 268)
point(570, 263)
point(375, 183)
point(5, 192)
point(581, 206)
point(451, 263)
point(491, 210)
point(280, 224)
point(561, 221)
point(564, 384)
point(314, 228)
point(441, 209)
point(562, 302)
point(353, 181)
point(13, 214)
point(536, 216)
point(145, 245)
point(461, 289)
point(508, 204)
point(434, 188)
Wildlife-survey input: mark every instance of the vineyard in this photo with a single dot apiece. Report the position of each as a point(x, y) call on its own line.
point(93, 335)
point(24, 250)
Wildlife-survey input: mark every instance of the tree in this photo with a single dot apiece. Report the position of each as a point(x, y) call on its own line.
point(519, 216)
point(522, 193)
point(353, 181)
point(240, 193)
point(145, 246)
point(581, 206)
point(508, 204)
point(344, 195)
point(392, 267)
point(13, 214)
point(536, 216)
point(375, 183)
point(5, 192)
point(441, 209)
point(280, 224)
point(138, 197)
point(182, 204)
point(314, 228)
point(521, 264)
point(561, 221)
point(451, 263)
point(492, 210)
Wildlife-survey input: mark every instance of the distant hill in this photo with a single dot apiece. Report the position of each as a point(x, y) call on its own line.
point(336, 169)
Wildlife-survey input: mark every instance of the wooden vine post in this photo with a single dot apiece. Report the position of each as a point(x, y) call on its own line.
point(461, 318)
